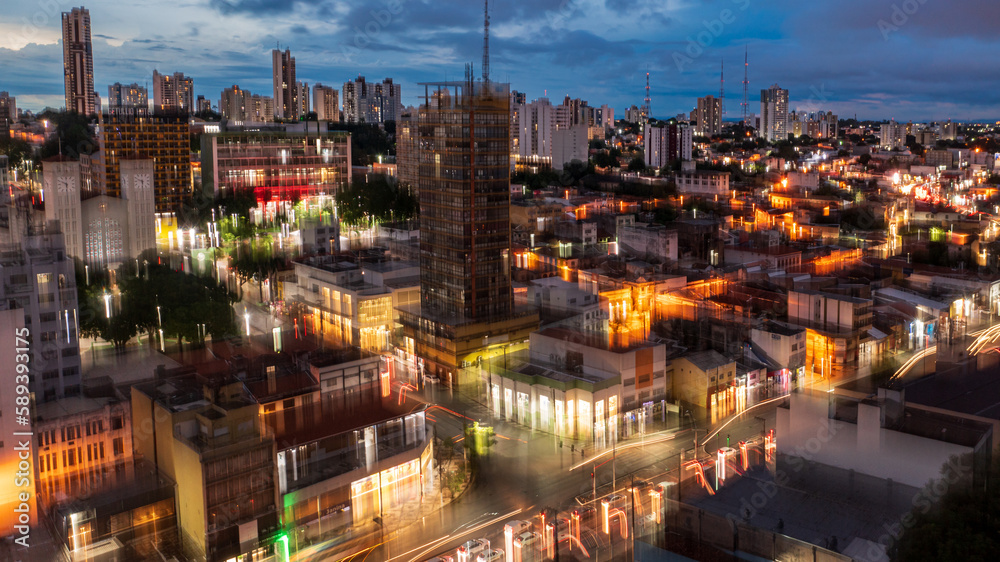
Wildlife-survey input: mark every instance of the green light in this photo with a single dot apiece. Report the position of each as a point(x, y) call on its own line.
point(283, 538)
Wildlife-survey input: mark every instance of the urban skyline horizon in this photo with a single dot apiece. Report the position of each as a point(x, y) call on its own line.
point(371, 40)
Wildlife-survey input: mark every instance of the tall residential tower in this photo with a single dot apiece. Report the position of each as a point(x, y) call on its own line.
point(78, 61)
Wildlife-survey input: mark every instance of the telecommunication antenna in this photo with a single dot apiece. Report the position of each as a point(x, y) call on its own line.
point(486, 41)
point(722, 88)
point(746, 88)
point(646, 102)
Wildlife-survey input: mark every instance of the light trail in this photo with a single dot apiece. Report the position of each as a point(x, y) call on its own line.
point(427, 547)
point(917, 357)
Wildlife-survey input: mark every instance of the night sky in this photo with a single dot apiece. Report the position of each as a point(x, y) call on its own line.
point(917, 60)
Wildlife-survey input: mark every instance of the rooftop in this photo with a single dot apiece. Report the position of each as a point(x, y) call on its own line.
point(709, 359)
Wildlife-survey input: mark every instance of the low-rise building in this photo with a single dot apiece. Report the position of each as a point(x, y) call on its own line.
point(207, 436)
point(703, 182)
point(579, 385)
point(706, 381)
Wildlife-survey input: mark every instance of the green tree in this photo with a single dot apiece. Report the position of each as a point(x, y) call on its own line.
point(72, 136)
point(185, 302)
point(637, 164)
point(17, 150)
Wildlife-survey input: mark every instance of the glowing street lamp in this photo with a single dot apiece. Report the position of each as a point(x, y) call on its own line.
point(246, 319)
point(107, 305)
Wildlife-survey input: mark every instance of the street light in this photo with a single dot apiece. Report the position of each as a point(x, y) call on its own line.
point(107, 305)
point(246, 318)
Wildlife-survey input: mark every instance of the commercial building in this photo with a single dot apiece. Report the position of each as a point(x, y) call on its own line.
point(326, 104)
point(39, 280)
point(709, 116)
point(128, 97)
point(172, 94)
point(578, 384)
point(667, 143)
point(354, 305)
point(208, 437)
point(466, 297)
point(707, 381)
point(371, 102)
point(163, 139)
point(837, 328)
point(782, 348)
point(773, 114)
point(78, 61)
point(348, 451)
point(278, 167)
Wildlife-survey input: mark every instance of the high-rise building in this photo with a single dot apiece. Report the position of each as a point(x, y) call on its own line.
point(667, 143)
point(407, 150)
point(709, 116)
point(286, 99)
point(78, 61)
point(165, 139)
point(127, 97)
point(466, 306)
point(533, 137)
point(892, 135)
point(261, 109)
point(948, 131)
point(605, 117)
point(325, 103)
point(172, 94)
point(203, 104)
point(233, 104)
point(371, 102)
point(8, 113)
point(633, 114)
point(37, 276)
point(302, 98)
point(773, 114)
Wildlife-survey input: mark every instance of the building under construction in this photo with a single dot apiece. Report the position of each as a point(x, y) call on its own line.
point(466, 308)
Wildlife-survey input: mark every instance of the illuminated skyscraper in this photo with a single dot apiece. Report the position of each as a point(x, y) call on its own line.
point(78, 61)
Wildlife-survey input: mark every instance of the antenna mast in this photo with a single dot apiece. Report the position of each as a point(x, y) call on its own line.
point(486, 41)
point(722, 90)
point(746, 89)
point(646, 102)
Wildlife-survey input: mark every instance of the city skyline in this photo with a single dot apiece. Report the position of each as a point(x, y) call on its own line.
point(876, 63)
